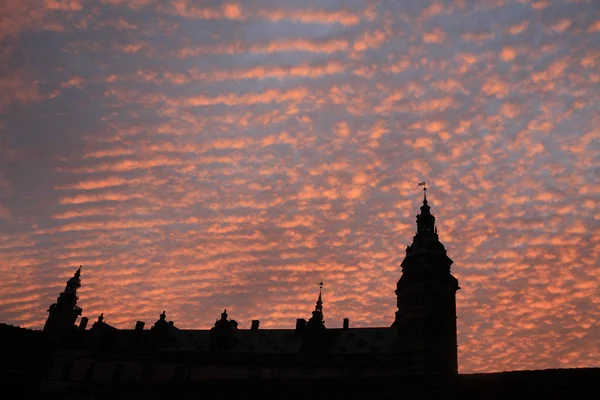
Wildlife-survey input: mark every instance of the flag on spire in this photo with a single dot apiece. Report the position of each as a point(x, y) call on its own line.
point(421, 184)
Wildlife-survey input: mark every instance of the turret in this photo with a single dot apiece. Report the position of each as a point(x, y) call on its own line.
point(63, 314)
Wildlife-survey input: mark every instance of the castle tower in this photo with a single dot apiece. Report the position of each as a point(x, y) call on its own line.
point(64, 313)
point(426, 292)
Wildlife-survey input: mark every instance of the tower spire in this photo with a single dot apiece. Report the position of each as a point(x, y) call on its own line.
point(317, 314)
point(426, 239)
point(319, 305)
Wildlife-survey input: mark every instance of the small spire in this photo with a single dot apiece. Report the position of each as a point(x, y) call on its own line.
point(163, 316)
point(101, 318)
point(316, 321)
point(319, 306)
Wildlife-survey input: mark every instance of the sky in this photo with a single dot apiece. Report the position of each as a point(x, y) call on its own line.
point(194, 156)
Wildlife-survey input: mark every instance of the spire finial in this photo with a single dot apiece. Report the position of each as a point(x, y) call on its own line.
point(424, 191)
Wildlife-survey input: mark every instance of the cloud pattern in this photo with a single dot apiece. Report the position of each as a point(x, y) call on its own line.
point(195, 156)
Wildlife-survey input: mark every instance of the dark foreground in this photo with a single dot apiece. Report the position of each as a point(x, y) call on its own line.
point(543, 384)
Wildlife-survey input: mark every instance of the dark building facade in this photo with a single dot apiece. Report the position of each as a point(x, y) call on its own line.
point(415, 356)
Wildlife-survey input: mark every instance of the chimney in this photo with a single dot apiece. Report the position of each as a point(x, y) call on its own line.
point(254, 326)
point(233, 323)
point(83, 323)
point(346, 323)
point(300, 324)
point(139, 326)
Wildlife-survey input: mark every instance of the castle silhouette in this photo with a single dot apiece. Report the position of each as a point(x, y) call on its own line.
point(415, 356)
point(422, 336)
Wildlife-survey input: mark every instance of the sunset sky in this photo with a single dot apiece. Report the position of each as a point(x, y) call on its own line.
point(201, 155)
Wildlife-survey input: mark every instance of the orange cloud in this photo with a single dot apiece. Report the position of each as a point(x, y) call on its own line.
point(64, 5)
point(435, 36)
point(272, 95)
point(310, 16)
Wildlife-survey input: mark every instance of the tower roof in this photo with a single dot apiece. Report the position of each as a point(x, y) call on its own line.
point(426, 239)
